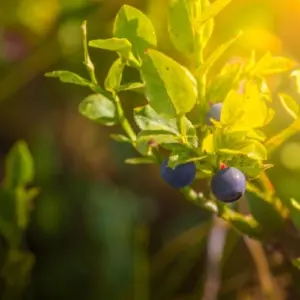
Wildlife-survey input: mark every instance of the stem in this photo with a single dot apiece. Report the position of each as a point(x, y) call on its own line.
point(91, 70)
point(87, 61)
point(182, 129)
point(221, 210)
point(123, 120)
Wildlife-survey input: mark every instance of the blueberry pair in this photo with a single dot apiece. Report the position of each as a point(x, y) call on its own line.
point(227, 185)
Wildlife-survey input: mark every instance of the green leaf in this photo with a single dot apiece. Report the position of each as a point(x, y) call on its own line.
point(294, 208)
point(148, 119)
point(158, 136)
point(178, 157)
point(290, 105)
point(269, 64)
point(182, 15)
point(69, 77)
point(114, 77)
point(133, 25)
point(19, 166)
point(141, 160)
point(210, 61)
point(120, 45)
point(138, 87)
point(213, 10)
point(98, 108)
point(170, 88)
point(266, 213)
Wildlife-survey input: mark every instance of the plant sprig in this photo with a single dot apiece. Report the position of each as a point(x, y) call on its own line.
point(234, 139)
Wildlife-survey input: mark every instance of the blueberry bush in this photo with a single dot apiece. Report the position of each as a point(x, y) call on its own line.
point(196, 126)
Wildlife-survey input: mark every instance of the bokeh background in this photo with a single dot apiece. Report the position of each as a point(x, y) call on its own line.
point(102, 229)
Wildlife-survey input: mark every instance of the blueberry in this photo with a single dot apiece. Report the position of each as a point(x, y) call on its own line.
point(214, 113)
point(179, 177)
point(228, 185)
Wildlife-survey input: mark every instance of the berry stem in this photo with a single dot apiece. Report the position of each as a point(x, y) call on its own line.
point(182, 128)
point(223, 211)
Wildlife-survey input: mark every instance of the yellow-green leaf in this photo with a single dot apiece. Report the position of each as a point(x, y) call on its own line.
point(170, 88)
point(120, 45)
point(130, 23)
point(269, 64)
point(181, 22)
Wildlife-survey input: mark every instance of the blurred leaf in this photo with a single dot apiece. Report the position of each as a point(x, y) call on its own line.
point(290, 105)
point(69, 77)
point(277, 140)
point(177, 245)
point(296, 263)
point(170, 88)
point(138, 87)
point(23, 205)
point(19, 166)
point(294, 206)
point(98, 108)
point(182, 15)
point(210, 61)
point(141, 160)
point(148, 119)
point(114, 77)
point(269, 64)
point(120, 45)
point(266, 213)
point(17, 267)
point(7, 213)
point(213, 10)
point(132, 24)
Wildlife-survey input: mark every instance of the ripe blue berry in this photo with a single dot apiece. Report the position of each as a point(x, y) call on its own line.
point(228, 185)
point(179, 177)
point(214, 113)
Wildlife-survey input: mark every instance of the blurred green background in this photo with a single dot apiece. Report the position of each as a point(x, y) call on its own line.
point(101, 229)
